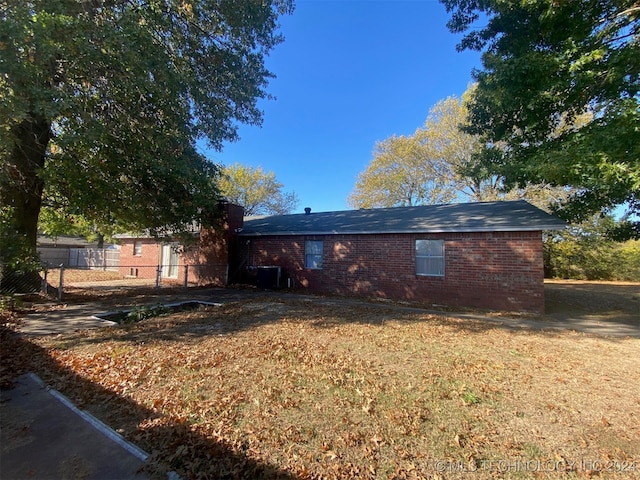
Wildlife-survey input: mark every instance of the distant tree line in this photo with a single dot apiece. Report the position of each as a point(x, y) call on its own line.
point(587, 252)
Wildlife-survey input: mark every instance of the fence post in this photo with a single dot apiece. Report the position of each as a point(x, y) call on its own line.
point(158, 275)
point(43, 287)
point(186, 277)
point(61, 284)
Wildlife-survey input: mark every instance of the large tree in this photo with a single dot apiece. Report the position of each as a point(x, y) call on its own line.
point(402, 173)
point(437, 164)
point(102, 101)
point(259, 192)
point(545, 63)
point(420, 169)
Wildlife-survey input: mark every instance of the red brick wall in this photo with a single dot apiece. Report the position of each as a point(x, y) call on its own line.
point(143, 265)
point(502, 271)
point(211, 254)
point(234, 217)
point(208, 258)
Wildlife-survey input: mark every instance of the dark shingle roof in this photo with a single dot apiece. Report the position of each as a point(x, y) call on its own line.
point(463, 217)
point(64, 242)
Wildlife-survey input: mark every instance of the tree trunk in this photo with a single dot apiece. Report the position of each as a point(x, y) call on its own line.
point(24, 191)
point(22, 188)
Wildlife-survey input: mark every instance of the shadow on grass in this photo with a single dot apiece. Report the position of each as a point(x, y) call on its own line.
point(606, 302)
point(264, 308)
point(246, 309)
point(173, 445)
point(580, 306)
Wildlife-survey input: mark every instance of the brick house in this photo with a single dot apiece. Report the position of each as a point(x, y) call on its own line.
point(484, 255)
point(205, 260)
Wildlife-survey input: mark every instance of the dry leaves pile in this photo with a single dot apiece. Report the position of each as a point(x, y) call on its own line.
point(305, 389)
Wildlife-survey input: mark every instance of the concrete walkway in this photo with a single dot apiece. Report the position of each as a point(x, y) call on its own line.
point(44, 436)
point(63, 319)
point(592, 326)
point(68, 318)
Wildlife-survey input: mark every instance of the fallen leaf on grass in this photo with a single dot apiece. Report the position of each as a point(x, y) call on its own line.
point(377, 440)
point(367, 407)
point(331, 455)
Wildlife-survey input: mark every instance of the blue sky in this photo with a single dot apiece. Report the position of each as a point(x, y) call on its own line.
point(349, 73)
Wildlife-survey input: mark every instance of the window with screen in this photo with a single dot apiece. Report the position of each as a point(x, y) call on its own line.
point(313, 254)
point(430, 258)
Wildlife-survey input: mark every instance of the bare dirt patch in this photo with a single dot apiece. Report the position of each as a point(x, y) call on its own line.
point(302, 388)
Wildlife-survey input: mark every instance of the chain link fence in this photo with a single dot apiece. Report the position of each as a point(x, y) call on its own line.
point(12, 281)
point(57, 280)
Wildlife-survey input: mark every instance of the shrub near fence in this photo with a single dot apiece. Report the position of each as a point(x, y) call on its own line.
point(585, 259)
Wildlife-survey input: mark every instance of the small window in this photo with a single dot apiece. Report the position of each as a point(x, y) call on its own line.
point(137, 248)
point(430, 258)
point(313, 254)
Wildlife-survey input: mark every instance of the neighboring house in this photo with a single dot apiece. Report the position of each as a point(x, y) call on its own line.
point(483, 255)
point(205, 262)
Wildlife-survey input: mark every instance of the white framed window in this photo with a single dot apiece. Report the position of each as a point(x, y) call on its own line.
point(137, 248)
point(313, 254)
point(430, 258)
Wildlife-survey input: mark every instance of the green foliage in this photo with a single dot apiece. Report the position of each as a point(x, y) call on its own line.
point(400, 174)
point(138, 314)
point(101, 104)
point(423, 168)
point(470, 398)
point(587, 253)
point(546, 64)
point(8, 303)
point(257, 191)
point(14, 250)
point(55, 222)
point(437, 165)
point(19, 262)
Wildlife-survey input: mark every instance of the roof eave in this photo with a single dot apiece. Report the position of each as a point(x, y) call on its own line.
point(147, 236)
point(536, 228)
